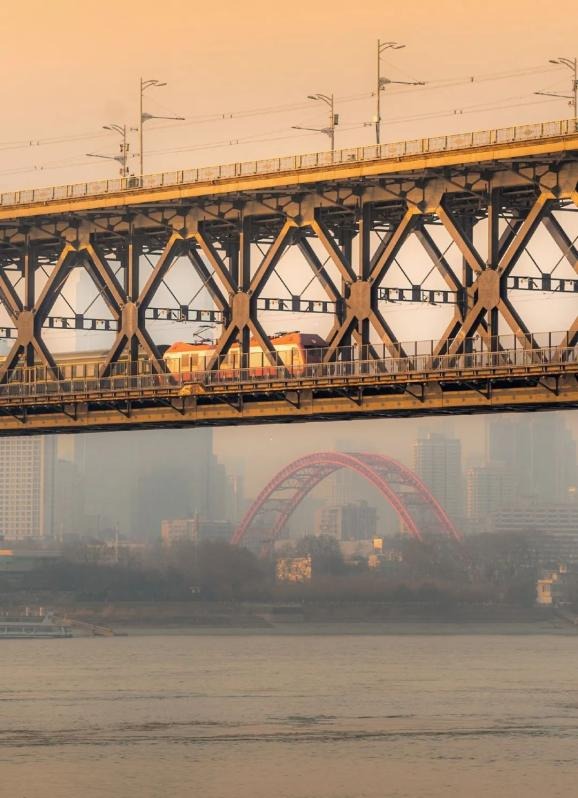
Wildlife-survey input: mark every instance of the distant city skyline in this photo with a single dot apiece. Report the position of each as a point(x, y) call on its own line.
point(130, 482)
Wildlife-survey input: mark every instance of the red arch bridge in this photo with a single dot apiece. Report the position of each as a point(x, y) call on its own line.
point(421, 515)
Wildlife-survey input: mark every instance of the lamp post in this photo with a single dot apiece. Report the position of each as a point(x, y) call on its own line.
point(122, 159)
point(118, 158)
point(121, 130)
point(572, 65)
point(329, 100)
point(383, 82)
point(144, 117)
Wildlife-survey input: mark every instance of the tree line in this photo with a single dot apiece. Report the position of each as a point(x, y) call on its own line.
point(484, 569)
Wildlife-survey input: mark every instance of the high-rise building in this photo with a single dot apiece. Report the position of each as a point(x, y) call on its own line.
point(547, 519)
point(350, 521)
point(179, 530)
point(69, 519)
point(438, 463)
point(488, 489)
point(552, 527)
point(539, 453)
point(134, 480)
point(26, 487)
point(236, 504)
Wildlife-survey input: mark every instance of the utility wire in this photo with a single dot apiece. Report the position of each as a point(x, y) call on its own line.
point(469, 109)
point(285, 107)
point(30, 143)
point(429, 86)
point(272, 136)
point(394, 120)
point(444, 83)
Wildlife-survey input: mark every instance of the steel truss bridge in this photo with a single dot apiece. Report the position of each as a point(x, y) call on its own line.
point(467, 223)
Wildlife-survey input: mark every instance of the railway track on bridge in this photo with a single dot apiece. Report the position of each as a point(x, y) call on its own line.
point(504, 380)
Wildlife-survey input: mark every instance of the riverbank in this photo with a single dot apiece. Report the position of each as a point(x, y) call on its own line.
point(432, 629)
point(197, 617)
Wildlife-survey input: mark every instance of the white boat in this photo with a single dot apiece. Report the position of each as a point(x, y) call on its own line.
point(33, 630)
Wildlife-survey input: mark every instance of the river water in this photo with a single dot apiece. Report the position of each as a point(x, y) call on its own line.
point(291, 716)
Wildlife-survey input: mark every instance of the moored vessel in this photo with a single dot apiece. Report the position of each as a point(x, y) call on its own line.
point(33, 630)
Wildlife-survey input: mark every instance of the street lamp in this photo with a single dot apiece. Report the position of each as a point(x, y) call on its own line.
point(383, 82)
point(144, 117)
point(572, 65)
point(329, 100)
point(122, 159)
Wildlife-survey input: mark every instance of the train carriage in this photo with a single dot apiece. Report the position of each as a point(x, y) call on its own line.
point(295, 350)
point(184, 363)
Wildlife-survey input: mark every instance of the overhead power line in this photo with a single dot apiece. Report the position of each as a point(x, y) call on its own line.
point(429, 86)
point(280, 135)
point(271, 135)
point(432, 85)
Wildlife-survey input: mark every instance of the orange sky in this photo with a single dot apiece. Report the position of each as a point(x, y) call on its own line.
point(70, 68)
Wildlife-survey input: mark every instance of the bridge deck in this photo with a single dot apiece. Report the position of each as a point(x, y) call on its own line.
point(519, 141)
point(505, 379)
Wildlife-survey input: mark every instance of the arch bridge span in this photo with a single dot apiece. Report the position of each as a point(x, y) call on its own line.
point(418, 510)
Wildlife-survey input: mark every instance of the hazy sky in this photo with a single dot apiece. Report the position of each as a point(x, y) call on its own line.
point(71, 68)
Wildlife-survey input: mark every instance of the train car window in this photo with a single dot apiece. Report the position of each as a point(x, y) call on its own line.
point(256, 358)
point(313, 354)
point(194, 360)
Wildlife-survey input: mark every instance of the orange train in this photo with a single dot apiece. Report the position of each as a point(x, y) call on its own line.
point(295, 350)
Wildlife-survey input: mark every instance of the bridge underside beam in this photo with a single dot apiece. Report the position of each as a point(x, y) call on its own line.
point(411, 399)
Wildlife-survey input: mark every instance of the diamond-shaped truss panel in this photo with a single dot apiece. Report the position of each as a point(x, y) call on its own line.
point(294, 297)
point(6, 331)
point(182, 307)
point(13, 275)
point(546, 270)
point(415, 299)
point(79, 318)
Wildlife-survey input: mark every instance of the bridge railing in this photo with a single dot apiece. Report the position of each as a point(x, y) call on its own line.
point(292, 163)
point(409, 366)
point(147, 378)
